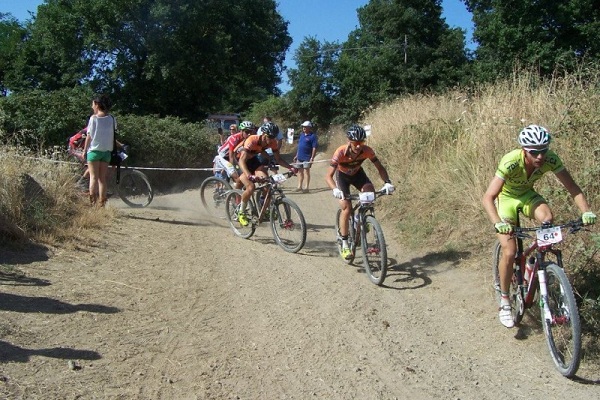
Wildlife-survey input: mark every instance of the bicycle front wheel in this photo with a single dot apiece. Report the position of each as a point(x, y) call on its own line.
point(374, 250)
point(351, 236)
point(212, 194)
point(563, 331)
point(134, 188)
point(288, 225)
point(243, 229)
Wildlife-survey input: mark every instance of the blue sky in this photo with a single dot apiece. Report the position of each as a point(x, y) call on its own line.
point(326, 20)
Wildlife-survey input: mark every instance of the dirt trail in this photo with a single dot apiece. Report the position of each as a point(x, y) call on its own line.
point(171, 305)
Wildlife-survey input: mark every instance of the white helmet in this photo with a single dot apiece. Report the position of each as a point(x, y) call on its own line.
point(534, 136)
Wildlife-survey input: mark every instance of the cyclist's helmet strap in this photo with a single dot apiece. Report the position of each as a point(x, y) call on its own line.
point(534, 136)
point(356, 133)
point(270, 129)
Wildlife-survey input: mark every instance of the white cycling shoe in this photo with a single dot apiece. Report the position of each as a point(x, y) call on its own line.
point(505, 316)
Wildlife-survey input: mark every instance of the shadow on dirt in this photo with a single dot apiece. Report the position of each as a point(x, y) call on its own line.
point(24, 254)
point(164, 221)
point(17, 278)
point(26, 304)
point(415, 273)
point(12, 353)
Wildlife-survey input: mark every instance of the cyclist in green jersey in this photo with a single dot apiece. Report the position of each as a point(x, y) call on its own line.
point(511, 190)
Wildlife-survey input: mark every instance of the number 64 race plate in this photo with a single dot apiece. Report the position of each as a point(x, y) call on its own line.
point(548, 236)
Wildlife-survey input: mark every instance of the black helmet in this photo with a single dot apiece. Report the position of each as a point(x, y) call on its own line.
point(356, 133)
point(269, 129)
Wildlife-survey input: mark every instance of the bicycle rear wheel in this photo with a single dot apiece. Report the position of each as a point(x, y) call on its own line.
point(351, 236)
point(232, 205)
point(374, 250)
point(514, 293)
point(212, 193)
point(563, 331)
point(134, 188)
point(288, 225)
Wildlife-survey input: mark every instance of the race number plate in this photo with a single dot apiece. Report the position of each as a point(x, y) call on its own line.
point(549, 236)
point(279, 178)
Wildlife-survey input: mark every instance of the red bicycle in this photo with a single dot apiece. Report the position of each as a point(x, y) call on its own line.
point(538, 280)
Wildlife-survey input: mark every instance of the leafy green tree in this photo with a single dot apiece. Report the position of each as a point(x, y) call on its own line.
point(401, 46)
point(167, 57)
point(313, 89)
point(546, 34)
point(11, 35)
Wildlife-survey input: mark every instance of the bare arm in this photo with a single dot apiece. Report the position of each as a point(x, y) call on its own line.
point(382, 171)
point(492, 192)
point(329, 177)
point(574, 190)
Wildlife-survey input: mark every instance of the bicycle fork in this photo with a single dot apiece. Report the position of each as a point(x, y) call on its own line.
point(544, 297)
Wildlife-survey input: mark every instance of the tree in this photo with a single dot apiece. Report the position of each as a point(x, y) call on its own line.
point(313, 90)
point(401, 46)
point(11, 35)
point(546, 34)
point(166, 57)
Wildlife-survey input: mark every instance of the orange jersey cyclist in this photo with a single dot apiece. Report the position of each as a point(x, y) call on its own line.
point(346, 167)
point(250, 165)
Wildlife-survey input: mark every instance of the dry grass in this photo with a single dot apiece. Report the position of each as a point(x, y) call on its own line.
point(441, 152)
point(39, 201)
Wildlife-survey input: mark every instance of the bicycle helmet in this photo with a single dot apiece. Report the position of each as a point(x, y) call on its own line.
point(245, 125)
point(269, 129)
point(356, 133)
point(534, 136)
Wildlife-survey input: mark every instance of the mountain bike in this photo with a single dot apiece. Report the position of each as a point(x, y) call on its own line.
point(269, 204)
point(130, 184)
point(212, 193)
point(536, 280)
point(365, 231)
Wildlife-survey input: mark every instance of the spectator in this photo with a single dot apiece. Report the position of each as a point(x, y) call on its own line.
point(98, 146)
point(307, 149)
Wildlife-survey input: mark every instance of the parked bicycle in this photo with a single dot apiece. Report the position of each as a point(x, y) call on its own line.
point(365, 231)
point(269, 204)
point(130, 184)
point(536, 280)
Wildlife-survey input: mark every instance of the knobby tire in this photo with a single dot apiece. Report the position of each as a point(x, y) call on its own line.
point(563, 333)
point(374, 250)
point(212, 194)
point(134, 188)
point(288, 225)
point(232, 202)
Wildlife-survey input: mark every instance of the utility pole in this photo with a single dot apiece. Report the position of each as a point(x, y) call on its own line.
point(405, 49)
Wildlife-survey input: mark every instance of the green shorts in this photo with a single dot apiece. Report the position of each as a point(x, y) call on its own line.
point(508, 207)
point(96, 155)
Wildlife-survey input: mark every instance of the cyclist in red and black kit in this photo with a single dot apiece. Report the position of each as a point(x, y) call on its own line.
point(346, 167)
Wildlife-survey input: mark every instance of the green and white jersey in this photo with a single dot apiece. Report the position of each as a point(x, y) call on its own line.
point(512, 171)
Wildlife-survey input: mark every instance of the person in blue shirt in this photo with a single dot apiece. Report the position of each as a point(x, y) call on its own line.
point(307, 149)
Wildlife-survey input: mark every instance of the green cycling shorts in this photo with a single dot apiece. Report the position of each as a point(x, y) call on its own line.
point(508, 207)
point(97, 155)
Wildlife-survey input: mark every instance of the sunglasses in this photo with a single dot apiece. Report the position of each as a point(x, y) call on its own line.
point(248, 131)
point(536, 153)
point(357, 142)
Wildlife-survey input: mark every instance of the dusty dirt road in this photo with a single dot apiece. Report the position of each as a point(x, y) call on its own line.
point(169, 304)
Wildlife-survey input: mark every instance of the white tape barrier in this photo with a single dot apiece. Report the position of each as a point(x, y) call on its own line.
point(143, 168)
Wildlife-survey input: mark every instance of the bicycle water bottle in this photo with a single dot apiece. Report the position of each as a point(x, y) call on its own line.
point(355, 223)
point(528, 270)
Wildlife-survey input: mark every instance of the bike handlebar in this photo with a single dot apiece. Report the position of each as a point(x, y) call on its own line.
point(356, 196)
point(574, 225)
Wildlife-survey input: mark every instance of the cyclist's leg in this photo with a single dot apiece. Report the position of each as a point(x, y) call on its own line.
point(538, 209)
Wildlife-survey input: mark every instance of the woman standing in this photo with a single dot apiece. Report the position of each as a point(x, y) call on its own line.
point(98, 146)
